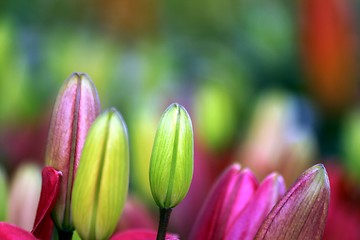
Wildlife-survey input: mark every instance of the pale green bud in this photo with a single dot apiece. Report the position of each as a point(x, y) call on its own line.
point(101, 184)
point(172, 158)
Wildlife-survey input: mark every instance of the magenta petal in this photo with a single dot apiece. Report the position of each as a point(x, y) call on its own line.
point(141, 234)
point(43, 224)
point(249, 220)
point(302, 212)
point(230, 194)
point(11, 232)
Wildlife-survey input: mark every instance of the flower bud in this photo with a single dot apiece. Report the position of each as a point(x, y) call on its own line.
point(229, 196)
point(302, 212)
point(76, 107)
point(101, 184)
point(172, 158)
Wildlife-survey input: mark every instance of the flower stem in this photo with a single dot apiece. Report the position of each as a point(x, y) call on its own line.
point(63, 235)
point(163, 223)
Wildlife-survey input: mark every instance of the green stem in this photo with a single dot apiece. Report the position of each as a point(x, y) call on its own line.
point(163, 223)
point(63, 235)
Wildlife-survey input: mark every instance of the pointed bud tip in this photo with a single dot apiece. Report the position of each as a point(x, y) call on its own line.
point(237, 167)
point(76, 77)
point(318, 171)
point(277, 177)
point(113, 112)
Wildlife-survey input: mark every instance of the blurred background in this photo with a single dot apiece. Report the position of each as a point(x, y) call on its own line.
point(270, 84)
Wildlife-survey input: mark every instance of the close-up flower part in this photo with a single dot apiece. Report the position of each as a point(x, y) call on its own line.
point(101, 185)
point(76, 107)
point(268, 108)
point(302, 212)
point(172, 163)
point(240, 208)
point(43, 225)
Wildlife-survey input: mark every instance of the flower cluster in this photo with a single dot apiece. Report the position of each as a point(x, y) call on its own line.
point(85, 182)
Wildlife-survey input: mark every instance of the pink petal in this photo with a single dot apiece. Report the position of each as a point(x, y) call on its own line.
point(135, 215)
point(249, 220)
point(302, 212)
point(141, 234)
point(230, 194)
point(77, 105)
point(43, 225)
point(11, 232)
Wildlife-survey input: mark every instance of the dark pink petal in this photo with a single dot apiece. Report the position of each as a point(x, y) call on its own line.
point(43, 224)
point(250, 218)
point(141, 234)
point(228, 197)
point(302, 212)
point(12, 232)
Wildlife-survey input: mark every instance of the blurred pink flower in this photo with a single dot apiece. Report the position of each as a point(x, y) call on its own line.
point(239, 208)
point(344, 211)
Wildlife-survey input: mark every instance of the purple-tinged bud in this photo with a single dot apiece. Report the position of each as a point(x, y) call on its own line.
point(302, 212)
point(76, 107)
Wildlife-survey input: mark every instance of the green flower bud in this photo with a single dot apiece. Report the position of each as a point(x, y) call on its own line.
point(101, 184)
point(172, 158)
point(76, 107)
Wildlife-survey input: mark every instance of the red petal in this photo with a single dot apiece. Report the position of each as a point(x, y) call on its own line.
point(43, 224)
point(11, 232)
point(249, 220)
point(141, 234)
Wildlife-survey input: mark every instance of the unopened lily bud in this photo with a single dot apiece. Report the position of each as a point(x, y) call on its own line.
point(102, 180)
point(76, 107)
point(302, 212)
point(172, 158)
